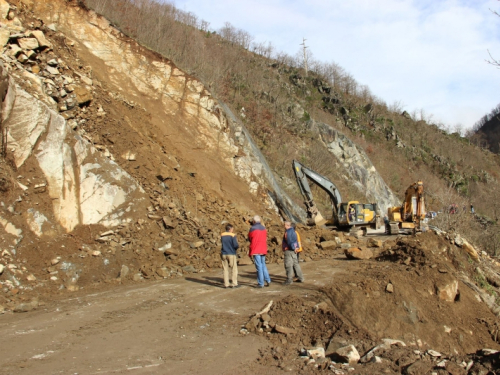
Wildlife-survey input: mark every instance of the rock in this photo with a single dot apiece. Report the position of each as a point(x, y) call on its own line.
point(458, 240)
point(355, 253)
point(433, 353)
point(189, 269)
point(488, 351)
point(83, 96)
point(163, 272)
point(130, 156)
point(196, 244)
point(389, 288)
point(96, 253)
point(55, 261)
point(52, 70)
point(284, 330)
point(31, 277)
point(471, 251)
point(4, 9)
point(72, 288)
point(335, 344)
point(28, 43)
point(322, 306)
point(26, 307)
point(167, 222)
point(447, 289)
point(2, 267)
point(328, 245)
point(347, 354)
point(86, 80)
point(2, 309)
point(165, 247)
point(4, 37)
point(418, 368)
point(137, 277)
point(345, 245)
point(22, 58)
point(265, 317)
point(374, 243)
point(40, 37)
point(316, 353)
point(123, 272)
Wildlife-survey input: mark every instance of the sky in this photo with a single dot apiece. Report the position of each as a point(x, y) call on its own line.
point(427, 55)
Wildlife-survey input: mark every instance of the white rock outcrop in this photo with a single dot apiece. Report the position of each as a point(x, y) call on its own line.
point(85, 187)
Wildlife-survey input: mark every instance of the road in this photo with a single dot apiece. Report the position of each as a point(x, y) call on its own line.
point(176, 326)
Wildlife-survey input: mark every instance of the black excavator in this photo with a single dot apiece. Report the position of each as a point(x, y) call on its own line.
point(346, 215)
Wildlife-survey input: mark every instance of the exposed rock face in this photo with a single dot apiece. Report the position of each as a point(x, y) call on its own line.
point(358, 166)
point(170, 90)
point(85, 187)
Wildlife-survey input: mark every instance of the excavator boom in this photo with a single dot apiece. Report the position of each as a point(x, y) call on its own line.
point(302, 174)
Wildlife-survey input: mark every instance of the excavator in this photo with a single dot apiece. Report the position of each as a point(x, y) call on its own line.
point(346, 215)
point(411, 213)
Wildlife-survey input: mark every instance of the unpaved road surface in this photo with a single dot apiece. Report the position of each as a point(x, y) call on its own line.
point(181, 326)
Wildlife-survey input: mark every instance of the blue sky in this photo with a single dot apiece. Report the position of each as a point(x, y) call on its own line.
point(424, 54)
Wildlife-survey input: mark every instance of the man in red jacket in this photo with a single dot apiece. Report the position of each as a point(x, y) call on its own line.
point(258, 250)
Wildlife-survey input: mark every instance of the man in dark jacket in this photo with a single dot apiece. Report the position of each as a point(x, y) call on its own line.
point(258, 250)
point(290, 246)
point(228, 256)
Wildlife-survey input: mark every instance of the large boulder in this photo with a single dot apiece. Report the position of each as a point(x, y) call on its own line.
point(360, 254)
point(447, 289)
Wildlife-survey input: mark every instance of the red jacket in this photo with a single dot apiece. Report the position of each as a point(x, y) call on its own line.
point(258, 240)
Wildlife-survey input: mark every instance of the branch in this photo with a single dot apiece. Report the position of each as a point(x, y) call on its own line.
point(493, 61)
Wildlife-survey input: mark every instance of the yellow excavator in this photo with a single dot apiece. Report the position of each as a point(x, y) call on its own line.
point(411, 213)
point(346, 215)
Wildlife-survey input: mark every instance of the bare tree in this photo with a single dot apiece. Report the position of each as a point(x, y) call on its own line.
point(492, 60)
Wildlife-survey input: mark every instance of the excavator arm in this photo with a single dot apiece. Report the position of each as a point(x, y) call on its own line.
point(303, 174)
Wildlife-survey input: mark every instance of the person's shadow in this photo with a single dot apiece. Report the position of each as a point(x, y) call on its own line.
point(218, 282)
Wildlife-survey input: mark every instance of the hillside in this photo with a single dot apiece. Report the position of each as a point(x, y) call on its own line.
point(281, 108)
point(121, 166)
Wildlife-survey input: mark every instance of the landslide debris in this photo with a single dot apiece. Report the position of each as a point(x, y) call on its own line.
point(412, 293)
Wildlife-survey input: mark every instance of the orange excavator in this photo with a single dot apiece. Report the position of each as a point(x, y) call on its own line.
point(410, 215)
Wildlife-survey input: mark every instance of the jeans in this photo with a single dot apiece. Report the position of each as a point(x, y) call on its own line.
point(262, 273)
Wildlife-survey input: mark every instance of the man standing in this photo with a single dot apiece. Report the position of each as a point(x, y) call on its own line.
point(258, 250)
point(228, 256)
point(290, 246)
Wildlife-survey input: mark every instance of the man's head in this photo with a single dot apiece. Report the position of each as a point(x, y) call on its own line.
point(288, 225)
point(229, 228)
point(256, 219)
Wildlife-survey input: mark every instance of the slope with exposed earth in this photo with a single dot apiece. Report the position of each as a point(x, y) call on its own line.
point(121, 168)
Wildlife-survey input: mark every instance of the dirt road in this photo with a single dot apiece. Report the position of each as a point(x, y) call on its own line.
point(181, 326)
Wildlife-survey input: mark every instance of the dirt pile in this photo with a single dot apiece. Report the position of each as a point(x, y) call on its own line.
point(412, 292)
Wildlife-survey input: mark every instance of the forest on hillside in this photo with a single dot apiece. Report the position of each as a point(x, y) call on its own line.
point(279, 102)
point(486, 132)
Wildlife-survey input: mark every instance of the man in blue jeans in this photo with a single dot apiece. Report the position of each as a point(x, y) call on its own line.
point(258, 250)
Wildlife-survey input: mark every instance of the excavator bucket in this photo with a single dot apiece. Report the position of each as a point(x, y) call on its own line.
point(318, 220)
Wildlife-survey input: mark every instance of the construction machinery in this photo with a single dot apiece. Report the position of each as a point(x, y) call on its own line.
point(411, 214)
point(346, 215)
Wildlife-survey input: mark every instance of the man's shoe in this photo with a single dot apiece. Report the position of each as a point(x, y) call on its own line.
point(236, 286)
point(268, 284)
point(287, 283)
point(260, 286)
point(300, 281)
